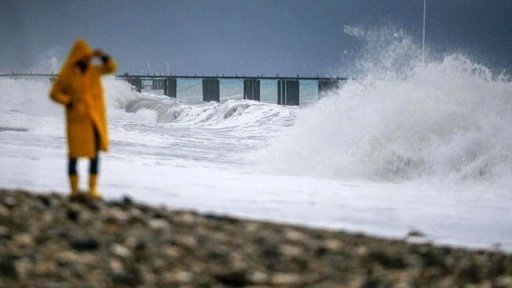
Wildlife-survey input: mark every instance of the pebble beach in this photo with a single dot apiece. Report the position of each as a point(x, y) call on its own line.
point(46, 240)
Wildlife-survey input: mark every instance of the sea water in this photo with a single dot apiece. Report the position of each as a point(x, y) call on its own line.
point(403, 145)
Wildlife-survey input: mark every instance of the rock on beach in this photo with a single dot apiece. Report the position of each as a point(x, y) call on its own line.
point(46, 240)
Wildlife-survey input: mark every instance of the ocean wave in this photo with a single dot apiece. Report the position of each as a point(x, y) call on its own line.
point(446, 120)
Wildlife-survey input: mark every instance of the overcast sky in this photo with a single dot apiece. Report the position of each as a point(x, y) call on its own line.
point(285, 37)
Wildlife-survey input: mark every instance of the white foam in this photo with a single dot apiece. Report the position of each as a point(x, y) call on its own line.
point(448, 120)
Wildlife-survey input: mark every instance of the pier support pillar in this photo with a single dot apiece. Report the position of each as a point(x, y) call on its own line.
point(211, 90)
point(324, 86)
point(252, 89)
point(288, 92)
point(135, 82)
point(170, 85)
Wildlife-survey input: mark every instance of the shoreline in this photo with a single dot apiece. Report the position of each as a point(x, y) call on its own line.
point(48, 241)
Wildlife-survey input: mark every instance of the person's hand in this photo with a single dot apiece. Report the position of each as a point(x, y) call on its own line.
point(102, 55)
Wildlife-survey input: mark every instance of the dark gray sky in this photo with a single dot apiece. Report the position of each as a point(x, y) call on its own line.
point(285, 37)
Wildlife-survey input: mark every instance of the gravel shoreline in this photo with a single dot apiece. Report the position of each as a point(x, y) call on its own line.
point(48, 241)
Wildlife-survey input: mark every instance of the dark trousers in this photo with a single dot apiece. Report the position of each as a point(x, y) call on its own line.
point(94, 162)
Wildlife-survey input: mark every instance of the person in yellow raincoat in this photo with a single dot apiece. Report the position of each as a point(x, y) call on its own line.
point(78, 87)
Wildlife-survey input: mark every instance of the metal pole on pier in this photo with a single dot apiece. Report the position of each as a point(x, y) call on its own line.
point(424, 24)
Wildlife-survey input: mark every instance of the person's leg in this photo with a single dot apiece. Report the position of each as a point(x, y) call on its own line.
point(94, 169)
point(73, 176)
point(94, 165)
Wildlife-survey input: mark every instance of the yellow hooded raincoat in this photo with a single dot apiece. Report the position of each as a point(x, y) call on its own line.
point(82, 96)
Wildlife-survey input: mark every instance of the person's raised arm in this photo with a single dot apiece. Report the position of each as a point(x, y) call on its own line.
point(109, 65)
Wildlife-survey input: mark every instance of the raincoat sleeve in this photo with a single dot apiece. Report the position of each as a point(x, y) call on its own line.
point(109, 65)
point(58, 94)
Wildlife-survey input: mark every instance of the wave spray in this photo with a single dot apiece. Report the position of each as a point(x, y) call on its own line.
point(403, 120)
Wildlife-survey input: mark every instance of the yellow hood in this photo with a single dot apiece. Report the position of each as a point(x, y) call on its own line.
point(79, 50)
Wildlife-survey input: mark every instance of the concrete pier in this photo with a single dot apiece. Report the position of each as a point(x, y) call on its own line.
point(288, 92)
point(252, 89)
point(211, 90)
point(288, 88)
